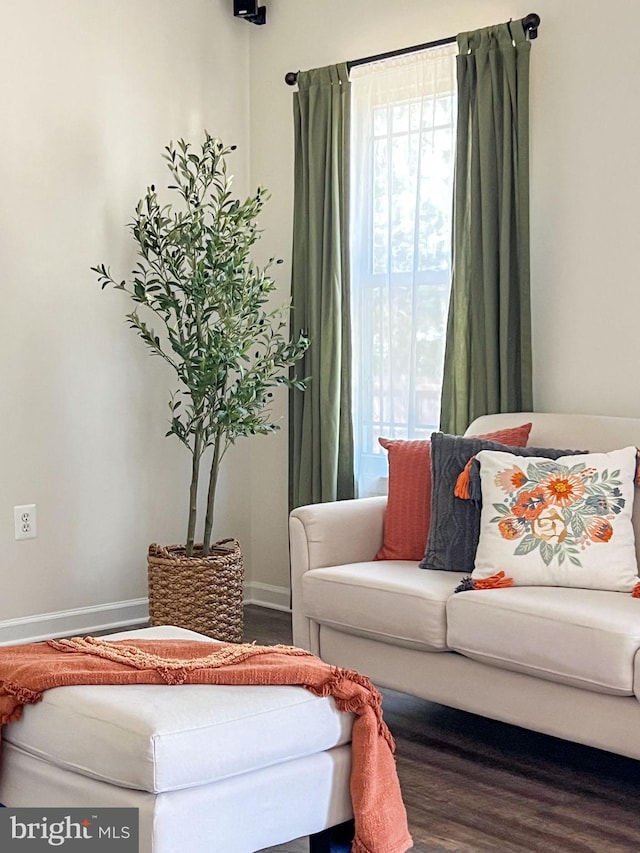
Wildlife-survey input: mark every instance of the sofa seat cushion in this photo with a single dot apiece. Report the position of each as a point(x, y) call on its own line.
point(393, 601)
point(160, 738)
point(582, 637)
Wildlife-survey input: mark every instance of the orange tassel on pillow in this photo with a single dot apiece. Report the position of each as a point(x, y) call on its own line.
point(493, 582)
point(462, 483)
point(635, 592)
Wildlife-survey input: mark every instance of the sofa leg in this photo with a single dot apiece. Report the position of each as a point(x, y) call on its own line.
point(336, 839)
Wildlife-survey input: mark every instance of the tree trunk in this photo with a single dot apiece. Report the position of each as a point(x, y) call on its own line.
point(211, 495)
point(193, 494)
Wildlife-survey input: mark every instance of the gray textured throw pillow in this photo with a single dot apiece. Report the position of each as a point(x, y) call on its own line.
point(455, 523)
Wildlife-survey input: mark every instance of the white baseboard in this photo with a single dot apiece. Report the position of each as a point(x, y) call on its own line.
point(266, 595)
point(118, 614)
point(82, 620)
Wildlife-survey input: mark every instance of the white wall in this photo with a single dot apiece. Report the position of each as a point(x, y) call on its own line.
point(90, 92)
point(585, 183)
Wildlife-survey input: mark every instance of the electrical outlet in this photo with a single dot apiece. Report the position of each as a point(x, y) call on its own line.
point(24, 519)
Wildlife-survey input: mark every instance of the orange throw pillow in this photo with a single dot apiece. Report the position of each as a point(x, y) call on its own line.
point(408, 513)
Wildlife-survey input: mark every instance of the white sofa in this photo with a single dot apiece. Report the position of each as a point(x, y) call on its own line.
point(560, 661)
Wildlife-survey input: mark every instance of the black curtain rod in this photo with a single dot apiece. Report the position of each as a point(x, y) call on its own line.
point(530, 25)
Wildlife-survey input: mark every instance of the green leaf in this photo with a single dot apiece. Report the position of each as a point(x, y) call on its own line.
point(527, 545)
point(546, 552)
point(502, 509)
point(577, 525)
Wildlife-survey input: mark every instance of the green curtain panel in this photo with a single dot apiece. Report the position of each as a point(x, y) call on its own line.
point(487, 365)
point(320, 428)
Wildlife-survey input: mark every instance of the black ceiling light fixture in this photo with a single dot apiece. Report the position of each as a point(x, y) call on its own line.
point(250, 11)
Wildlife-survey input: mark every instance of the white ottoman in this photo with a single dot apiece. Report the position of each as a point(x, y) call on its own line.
point(211, 768)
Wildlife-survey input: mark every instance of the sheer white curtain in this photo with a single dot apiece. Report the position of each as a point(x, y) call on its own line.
point(402, 158)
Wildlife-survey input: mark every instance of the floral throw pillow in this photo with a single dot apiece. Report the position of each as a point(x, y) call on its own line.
point(564, 522)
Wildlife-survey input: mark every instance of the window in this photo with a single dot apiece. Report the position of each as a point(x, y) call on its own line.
point(402, 158)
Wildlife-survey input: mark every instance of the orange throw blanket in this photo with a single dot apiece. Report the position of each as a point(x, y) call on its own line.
point(380, 817)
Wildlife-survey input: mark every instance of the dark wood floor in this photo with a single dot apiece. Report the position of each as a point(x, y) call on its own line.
point(473, 785)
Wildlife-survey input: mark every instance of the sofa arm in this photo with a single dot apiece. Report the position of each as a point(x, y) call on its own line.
point(330, 534)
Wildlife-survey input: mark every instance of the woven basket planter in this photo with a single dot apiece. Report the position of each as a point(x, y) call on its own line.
point(203, 594)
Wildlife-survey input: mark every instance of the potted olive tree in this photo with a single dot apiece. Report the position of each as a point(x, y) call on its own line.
point(202, 306)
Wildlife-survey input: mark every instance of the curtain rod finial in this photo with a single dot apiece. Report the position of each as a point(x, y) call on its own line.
point(291, 78)
point(530, 25)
